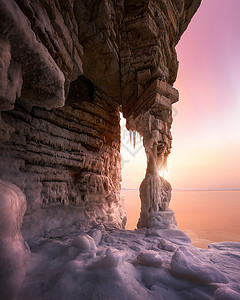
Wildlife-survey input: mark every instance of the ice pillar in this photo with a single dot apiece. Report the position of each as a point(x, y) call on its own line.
point(153, 123)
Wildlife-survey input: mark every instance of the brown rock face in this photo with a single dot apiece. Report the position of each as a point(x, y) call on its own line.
point(68, 156)
point(66, 69)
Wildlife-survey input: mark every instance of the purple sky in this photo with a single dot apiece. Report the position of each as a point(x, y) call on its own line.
point(206, 127)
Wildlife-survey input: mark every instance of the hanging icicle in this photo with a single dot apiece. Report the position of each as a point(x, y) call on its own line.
point(149, 123)
point(130, 136)
point(134, 139)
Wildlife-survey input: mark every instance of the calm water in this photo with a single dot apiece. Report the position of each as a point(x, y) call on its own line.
point(206, 216)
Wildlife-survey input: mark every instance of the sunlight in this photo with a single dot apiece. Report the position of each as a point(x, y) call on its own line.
point(134, 159)
point(162, 173)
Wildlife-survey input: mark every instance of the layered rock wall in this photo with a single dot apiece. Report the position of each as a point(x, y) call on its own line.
point(67, 156)
point(150, 31)
point(66, 69)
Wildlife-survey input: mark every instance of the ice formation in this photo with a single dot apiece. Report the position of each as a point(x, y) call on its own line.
point(66, 70)
point(12, 248)
point(154, 126)
point(95, 262)
point(152, 264)
point(93, 57)
point(92, 262)
point(84, 242)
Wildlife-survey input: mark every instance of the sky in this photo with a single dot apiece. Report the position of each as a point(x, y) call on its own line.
point(206, 126)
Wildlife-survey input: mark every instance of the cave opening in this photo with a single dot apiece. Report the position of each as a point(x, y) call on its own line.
point(133, 163)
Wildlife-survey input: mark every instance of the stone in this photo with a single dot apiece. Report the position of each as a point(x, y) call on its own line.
point(154, 126)
point(67, 69)
point(41, 73)
point(66, 161)
point(155, 194)
point(162, 219)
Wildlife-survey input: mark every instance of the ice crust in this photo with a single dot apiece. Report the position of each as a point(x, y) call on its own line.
point(150, 258)
point(187, 264)
point(84, 242)
point(120, 264)
point(12, 248)
point(92, 262)
point(225, 293)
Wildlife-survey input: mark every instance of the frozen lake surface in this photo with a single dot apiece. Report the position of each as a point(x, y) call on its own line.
point(206, 216)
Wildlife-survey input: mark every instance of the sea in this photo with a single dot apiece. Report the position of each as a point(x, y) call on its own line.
point(206, 216)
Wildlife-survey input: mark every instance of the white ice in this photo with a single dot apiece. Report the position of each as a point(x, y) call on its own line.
point(13, 251)
point(95, 263)
point(120, 264)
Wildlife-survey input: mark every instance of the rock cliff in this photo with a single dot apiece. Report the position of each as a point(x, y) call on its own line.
point(66, 70)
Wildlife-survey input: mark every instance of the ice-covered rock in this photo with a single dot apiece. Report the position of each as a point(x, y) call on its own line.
point(187, 265)
point(155, 194)
point(128, 264)
point(12, 247)
point(149, 258)
point(225, 293)
point(166, 245)
point(176, 236)
point(84, 242)
point(154, 126)
point(96, 234)
point(163, 220)
point(233, 246)
point(112, 259)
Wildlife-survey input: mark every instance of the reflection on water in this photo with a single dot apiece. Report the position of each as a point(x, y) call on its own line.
point(206, 216)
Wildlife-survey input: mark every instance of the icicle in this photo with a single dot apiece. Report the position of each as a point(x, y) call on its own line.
point(165, 164)
point(150, 123)
point(162, 173)
point(134, 139)
point(130, 135)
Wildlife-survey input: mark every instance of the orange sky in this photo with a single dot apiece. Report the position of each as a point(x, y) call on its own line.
point(206, 127)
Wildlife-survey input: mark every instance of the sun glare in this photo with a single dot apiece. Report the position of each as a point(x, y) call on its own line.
point(162, 173)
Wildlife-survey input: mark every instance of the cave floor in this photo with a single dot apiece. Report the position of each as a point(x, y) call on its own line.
point(122, 264)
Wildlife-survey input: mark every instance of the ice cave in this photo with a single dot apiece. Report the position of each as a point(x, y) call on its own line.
point(67, 70)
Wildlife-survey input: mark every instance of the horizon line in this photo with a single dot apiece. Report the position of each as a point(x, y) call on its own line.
point(236, 189)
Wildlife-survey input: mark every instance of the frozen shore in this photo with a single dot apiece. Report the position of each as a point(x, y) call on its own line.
point(141, 264)
point(95, 262)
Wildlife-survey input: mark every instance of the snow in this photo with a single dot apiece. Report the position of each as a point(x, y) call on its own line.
point(225, 246)
point(164, 219)
point(146, 263)
point(192, 265)
point(84, 242)
point(155, 194)
point(149, 258)
point(112, 259)
point(91, 262)
point(12, 248)
point(225, 293)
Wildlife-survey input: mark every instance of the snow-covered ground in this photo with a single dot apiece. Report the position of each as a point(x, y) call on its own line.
point(96, 263)
point(142, 264)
